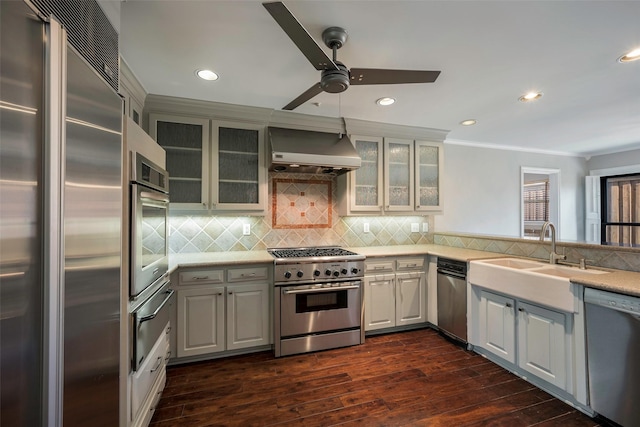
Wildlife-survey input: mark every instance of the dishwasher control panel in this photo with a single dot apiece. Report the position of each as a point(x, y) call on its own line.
point(614, 301)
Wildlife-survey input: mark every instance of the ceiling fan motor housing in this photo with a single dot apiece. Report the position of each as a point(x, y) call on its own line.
point(335, 81)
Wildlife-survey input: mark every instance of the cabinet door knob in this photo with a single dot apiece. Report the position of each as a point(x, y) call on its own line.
point(508, 305)
point(219, 293)
point(521, 310)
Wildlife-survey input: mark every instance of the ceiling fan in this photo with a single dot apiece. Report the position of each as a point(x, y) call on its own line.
point(336, 77)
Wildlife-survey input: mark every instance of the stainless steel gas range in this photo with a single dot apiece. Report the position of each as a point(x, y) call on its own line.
point(318, 299)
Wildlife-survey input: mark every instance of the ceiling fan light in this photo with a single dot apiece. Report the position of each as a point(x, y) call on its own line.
point(207, 75)
point(634, 55)
point(531, 96)
point(385, 101)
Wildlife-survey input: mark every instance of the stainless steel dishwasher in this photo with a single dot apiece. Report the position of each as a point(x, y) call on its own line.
point(452, 298)
point(613, 355)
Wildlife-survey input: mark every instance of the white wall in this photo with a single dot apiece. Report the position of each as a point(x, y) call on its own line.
point(606, 161)
point(482, 190)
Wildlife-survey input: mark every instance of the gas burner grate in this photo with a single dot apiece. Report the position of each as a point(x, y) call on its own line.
point(310, 252)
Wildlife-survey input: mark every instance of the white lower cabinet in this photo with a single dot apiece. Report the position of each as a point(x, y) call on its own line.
point(247, 316)
point(148, 382)
point(213, 316)
point(534, 338)
point(542, 343)
point(394, 292)
point(201, 321)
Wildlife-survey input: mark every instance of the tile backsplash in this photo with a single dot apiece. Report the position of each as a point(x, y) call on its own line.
point(302, 212)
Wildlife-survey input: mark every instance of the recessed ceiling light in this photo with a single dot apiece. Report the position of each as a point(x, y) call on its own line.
point(469, 122)
point(531, 96)
point(385, 101)
point(207, 75)
point(634, 55)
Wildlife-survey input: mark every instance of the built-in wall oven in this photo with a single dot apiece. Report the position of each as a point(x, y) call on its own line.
point(149, 226)
point(318, 299)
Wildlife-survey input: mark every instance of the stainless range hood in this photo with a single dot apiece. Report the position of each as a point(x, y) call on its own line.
point(301, 151)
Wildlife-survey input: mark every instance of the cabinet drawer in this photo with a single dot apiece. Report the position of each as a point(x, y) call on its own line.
point(247, 274)
point(201, 276)
point(145, 377)
point(410, 264)
point(378, 266)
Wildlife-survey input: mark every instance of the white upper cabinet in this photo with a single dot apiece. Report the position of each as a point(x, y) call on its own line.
point(213, 165)
point(186, 142)
point(239, 176)
point(366, 182)
point(397, 176)
point(429, 159)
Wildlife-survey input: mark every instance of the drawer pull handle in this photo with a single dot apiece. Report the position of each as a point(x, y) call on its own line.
point(168, 356)
point(199, 277)
point(155, 313)
point(158, 365)
point(378, 267)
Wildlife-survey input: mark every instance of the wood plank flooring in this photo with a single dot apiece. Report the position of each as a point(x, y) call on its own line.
point(414, 378)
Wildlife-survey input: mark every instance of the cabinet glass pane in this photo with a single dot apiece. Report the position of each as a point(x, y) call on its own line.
point(243, 140)
point(179, 135)
point(399, 153)
point(237, 166)
point(366, 177)
point(428, 170)
point(185, 191)
point(184, 164)
point(238, 192)
point(428, 155)
point(367, 150)
point(366, 196)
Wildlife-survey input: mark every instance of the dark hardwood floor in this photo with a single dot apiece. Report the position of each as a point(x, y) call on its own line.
point(414, 378)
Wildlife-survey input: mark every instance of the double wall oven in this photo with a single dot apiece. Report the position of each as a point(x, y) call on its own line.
point(318, 299)
point(149, 285)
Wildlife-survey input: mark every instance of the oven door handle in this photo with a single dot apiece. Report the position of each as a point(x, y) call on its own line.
point(147, 195)
point(160, 307)
point(316, 290)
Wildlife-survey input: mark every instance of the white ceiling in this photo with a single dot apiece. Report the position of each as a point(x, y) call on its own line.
point(489, 52)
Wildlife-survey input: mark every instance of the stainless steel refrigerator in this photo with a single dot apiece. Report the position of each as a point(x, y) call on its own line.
point(60, 229)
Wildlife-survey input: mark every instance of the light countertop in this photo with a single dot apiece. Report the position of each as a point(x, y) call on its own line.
point(624, 282)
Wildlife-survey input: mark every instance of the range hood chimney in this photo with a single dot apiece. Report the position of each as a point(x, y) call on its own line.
point(300, 151)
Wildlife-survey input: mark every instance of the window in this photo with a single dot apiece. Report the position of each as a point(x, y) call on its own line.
point(620, 224)
point(535, 197)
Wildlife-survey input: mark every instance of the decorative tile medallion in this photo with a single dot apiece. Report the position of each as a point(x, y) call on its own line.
point(301, 204)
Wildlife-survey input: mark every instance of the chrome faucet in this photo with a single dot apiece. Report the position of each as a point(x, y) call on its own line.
point(553, 256)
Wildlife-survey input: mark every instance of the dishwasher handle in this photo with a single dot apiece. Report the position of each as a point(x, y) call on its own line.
point(452, 274)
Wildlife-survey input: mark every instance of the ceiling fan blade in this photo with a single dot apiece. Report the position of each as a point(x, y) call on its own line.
point(300, 36)
point(376, 76)
point(307, 95)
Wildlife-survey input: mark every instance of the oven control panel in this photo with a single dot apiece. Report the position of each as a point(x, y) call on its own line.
point(318, 272)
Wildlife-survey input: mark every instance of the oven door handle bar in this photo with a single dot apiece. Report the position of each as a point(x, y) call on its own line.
point(155, 313)
point(316, 290)
point(147, 195)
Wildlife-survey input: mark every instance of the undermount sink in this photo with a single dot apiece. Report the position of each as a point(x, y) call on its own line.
point(535, 281)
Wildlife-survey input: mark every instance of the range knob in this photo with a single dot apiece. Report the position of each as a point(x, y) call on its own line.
point(299, 273)
point(354, 270)
point(287, 274)
point(316, 273)
point(336, 273)
point(344, 271)
point(327, 272)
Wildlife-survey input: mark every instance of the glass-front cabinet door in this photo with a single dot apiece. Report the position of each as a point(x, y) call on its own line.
point(399, 175)
point(366, 182)
point(186, 142)
point(238, 170)
point(428, 168)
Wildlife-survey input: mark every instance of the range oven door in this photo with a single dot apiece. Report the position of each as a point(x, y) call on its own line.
point(308, 309)
point(149, 237)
